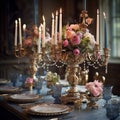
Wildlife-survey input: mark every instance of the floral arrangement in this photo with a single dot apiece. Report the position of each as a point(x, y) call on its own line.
point(94, 88)
point(29, 82)
point(77, 38)
point(31, 37)
point(52, 77)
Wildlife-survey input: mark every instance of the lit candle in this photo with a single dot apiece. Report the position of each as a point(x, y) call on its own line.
point(20, 33)
point(43, 40)
point(60, 26)
point(56, 25)
point(16, 25)
point(39, 40)
point(53, 28)
point(24, 31)
point(97, 30)
point(105, 30)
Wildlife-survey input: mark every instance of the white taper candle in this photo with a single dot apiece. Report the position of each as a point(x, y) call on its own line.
point(97, 30)
point(56, 25)
point(53, 28)
point(60, 26)
point(39, 40)
point(44, 26)
point(20, 33)
point(16, 26)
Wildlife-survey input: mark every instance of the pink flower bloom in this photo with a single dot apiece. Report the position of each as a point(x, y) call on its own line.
point(27, 42)
point(70, 34)
point(89, 85)
point(95, 88)
point(97, 83)
point(76, 51)
point(74, 26)
point(65, 43)
point(79, 34)
point(29, 80)
point(75, 40)
point(94, 91)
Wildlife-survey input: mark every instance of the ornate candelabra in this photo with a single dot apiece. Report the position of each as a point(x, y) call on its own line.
point(54, 53)
point(33, 59)
point(28, 48)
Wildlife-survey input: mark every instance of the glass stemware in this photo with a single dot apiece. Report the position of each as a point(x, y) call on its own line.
point(57, 91)
point(13, 78)
point(107, 93)
point(38, 85)
point(112, 109)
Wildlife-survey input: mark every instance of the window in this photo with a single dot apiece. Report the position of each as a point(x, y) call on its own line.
point(114, 16)
point(112, 10)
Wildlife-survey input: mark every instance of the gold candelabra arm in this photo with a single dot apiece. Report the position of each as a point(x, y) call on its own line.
point(96, 59)
point(106, 56)
point(19, 51)
point(84, 15)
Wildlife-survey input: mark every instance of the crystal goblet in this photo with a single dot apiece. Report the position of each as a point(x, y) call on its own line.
point(38, 85)
point(107, 93)
point(57, 91)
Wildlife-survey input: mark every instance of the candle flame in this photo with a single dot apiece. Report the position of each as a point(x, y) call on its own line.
point(97, 11)
point(16, 22)
point(60, 10)
point(19, 19)
point(52, 16)
point(24, 26)
point(56, 13)
point(104, 14)
point(43, 18)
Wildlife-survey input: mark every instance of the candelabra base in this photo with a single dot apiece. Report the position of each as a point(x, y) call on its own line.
point(69, 99)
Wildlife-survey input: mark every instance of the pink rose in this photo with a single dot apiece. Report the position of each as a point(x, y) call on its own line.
point(76, 51)
point(89, 85)
point(95, 88)
point(94, 91)
point(74, 26)
point(75, 40)
point(65, 43)
point(97, 83)
point(70, 34)
point(29, 80)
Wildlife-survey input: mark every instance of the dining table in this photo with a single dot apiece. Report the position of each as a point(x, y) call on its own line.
point(42, 106)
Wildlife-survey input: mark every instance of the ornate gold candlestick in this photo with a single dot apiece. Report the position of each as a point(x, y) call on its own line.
point(19, 51)
point(33, 57)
